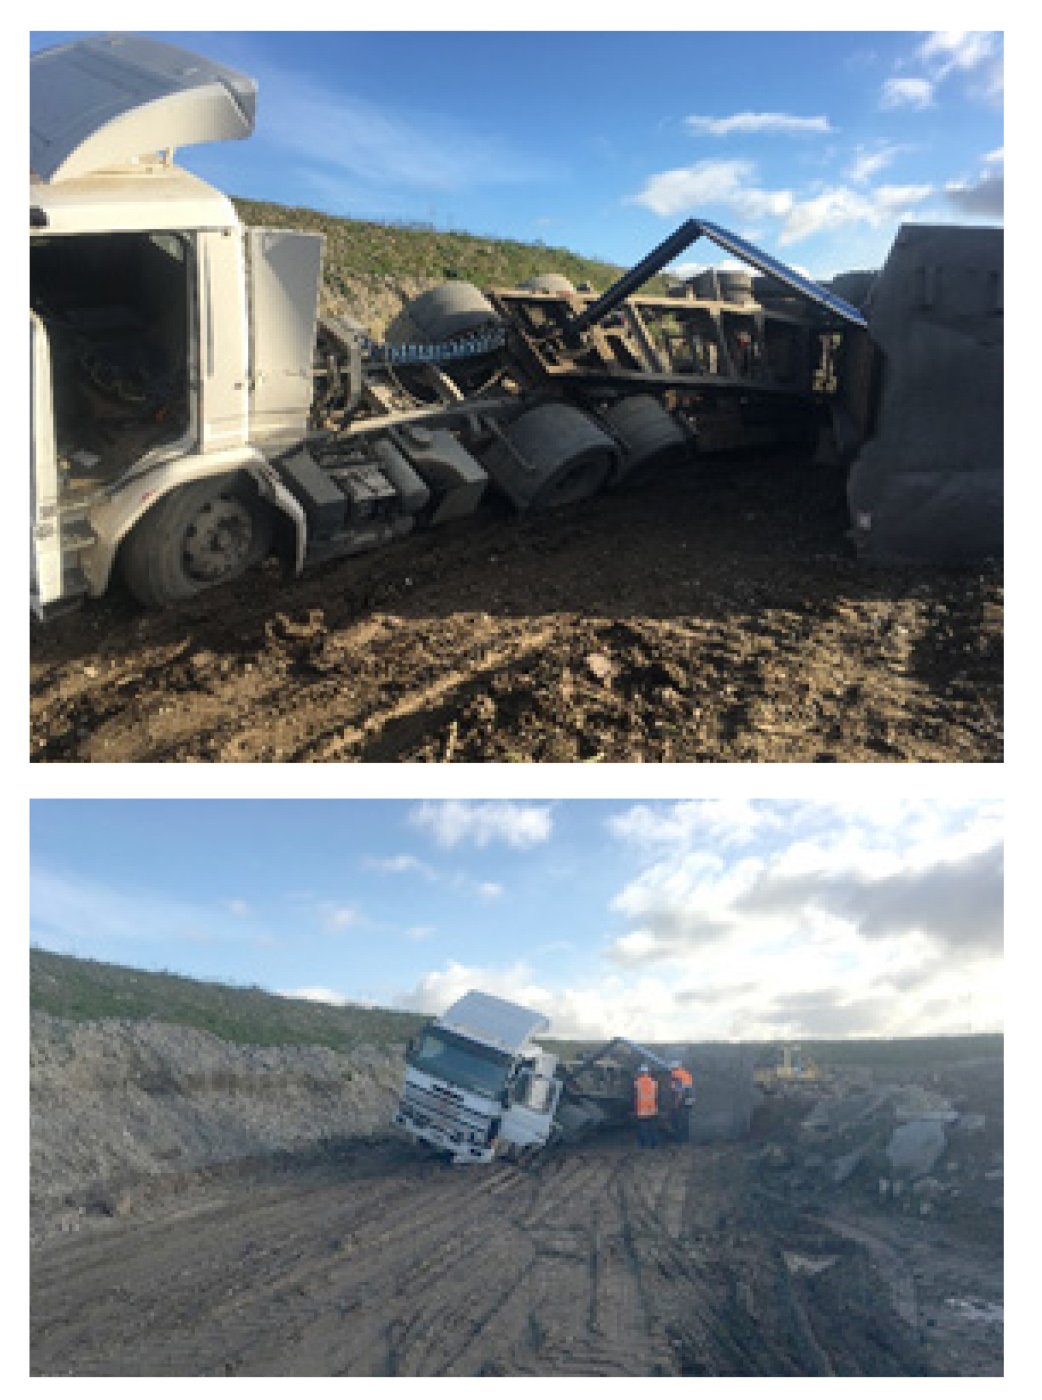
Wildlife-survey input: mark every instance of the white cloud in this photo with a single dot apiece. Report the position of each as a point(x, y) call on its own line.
point(996, 157)
point(727, 182)
point(868, 164)
point(944, 51)
point(453, 823)
point(907, 92)
point(732, 821)
point(437, 991)
point(758, 123)
point(238, 907)
point(732, 184)
point(490, 890)
point(851, 917)
point(949, 893)
point(900, 196)
point(972, 56)
point(321, 994)
point(637, 1007)
point(840, 206)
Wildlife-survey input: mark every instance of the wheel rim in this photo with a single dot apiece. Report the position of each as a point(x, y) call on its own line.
point(217, 542)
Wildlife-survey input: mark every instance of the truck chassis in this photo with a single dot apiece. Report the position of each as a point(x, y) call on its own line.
point(193, 411)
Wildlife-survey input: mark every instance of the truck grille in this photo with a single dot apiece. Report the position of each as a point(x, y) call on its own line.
point(445, 1110)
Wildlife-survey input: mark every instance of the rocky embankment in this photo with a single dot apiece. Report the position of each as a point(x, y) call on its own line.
point(120, 1107)
point(929, 1148)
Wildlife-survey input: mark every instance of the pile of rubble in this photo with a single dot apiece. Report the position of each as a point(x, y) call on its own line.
point(912, 1147)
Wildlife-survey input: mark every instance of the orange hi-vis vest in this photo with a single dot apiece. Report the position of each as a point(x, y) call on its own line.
point(681, 1078)
point(647, 1096)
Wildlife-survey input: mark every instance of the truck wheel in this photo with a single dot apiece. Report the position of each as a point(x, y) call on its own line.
point(735, 286)
point(548, 282)
point(651, 436)
point(854, 287)
point(443, 313)
point(199, 535)
point(551, 456)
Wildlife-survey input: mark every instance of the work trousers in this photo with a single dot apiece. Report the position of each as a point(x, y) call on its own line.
point(646, 1132)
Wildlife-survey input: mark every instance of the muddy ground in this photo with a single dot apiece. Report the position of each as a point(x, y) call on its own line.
point(361, 1254)
point(598, 1260)
point(714, 613)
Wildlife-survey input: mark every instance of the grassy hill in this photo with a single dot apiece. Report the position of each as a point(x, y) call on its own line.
point(84, 990)
point(358, 248)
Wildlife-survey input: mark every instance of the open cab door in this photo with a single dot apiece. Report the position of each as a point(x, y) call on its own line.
point(45, 544)
point(284, 273)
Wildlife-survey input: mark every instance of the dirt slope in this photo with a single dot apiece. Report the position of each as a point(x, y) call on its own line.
point(123, 1111)
point(715, 614)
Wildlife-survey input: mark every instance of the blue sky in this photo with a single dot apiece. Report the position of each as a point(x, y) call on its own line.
point(815, 145)
point(669, 920)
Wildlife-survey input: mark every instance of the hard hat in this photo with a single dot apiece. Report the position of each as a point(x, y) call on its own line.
point(675, 1064)
point(643, 1069)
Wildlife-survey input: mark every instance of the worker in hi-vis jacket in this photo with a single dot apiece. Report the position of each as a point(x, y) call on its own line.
point(683, 1095)
point(645, 1103)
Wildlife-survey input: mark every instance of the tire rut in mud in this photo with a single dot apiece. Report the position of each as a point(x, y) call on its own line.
point(714, 614)
point(596, 1261)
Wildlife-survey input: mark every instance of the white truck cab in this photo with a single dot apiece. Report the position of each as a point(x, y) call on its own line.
point(476, 1084)
point(171, 349)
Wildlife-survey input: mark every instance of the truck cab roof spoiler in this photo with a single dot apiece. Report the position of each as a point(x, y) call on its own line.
point(493, 1021)
point(115, 98)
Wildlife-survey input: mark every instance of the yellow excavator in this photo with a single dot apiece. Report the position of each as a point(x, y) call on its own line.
point(795, 1068)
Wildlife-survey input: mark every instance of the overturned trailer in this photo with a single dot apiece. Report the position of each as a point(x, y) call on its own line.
point(477, 1085)
point(192, 411)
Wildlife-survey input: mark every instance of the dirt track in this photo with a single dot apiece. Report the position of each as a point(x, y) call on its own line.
point(713, 614)
point(370, 1260)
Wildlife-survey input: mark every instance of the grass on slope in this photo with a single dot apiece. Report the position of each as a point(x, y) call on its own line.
point(83, 990)
point(360, 248)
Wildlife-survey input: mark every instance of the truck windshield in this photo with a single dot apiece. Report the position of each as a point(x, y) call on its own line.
point(475, 1067)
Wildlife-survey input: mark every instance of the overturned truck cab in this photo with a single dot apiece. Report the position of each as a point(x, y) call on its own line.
point(477, 1086)
point(475, 1083)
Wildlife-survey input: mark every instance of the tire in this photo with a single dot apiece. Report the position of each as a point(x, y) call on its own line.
point(773, 294)
point(854, 287)
point(564, 457)
point(445, 312)
point(736, 286)
point(548, 282)
point(198, 536)
point(714, 285)
point(651, 436)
